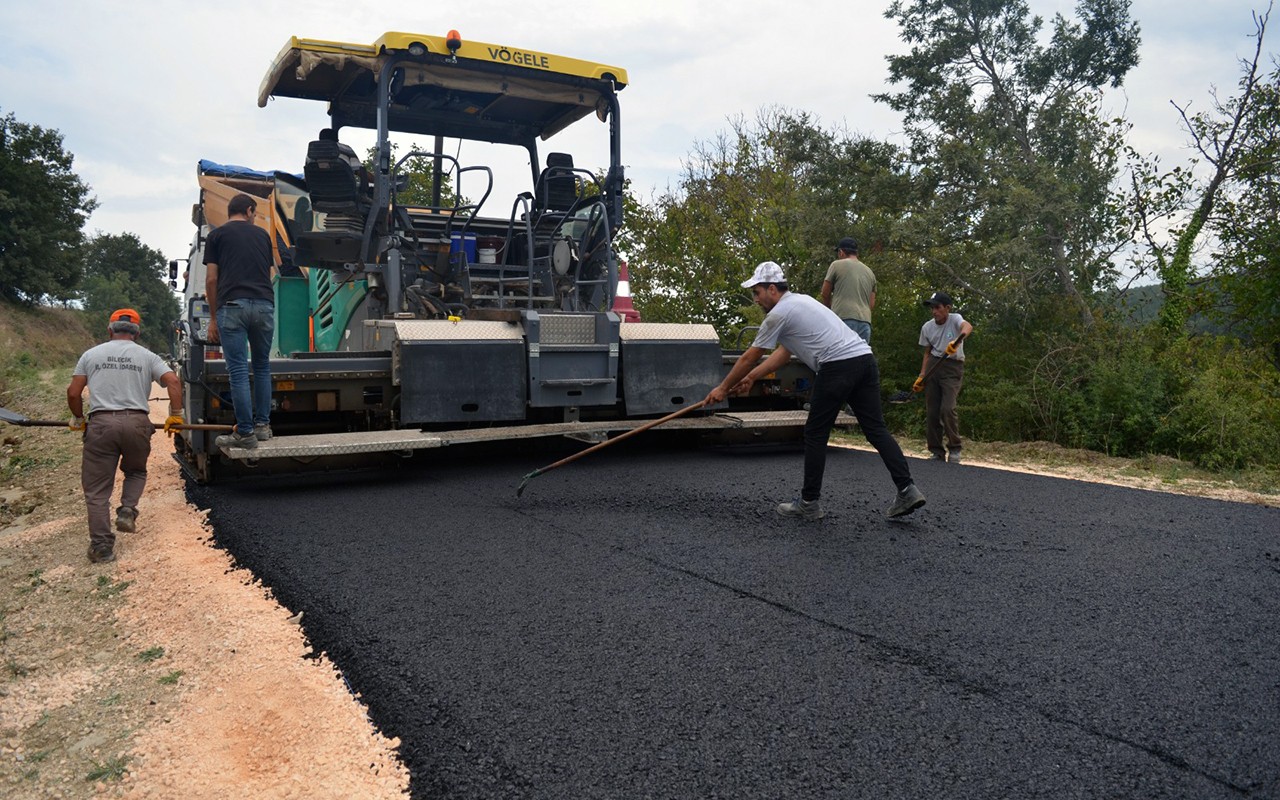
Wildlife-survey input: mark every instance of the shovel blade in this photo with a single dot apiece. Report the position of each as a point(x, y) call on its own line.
point(12, 417)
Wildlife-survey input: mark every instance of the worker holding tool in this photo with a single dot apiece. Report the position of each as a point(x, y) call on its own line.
point(846, 372)
point(118, 373)
point(943, 341)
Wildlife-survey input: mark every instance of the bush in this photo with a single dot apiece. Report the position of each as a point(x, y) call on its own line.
point(1226, 414)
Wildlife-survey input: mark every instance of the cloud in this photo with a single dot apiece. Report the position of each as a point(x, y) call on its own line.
point(142, 90)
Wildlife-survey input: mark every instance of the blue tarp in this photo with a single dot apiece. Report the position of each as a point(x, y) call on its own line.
point(208, 167)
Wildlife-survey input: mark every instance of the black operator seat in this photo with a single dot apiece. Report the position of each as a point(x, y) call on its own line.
point(333, 173)
point(336, 186)
point(558, 185)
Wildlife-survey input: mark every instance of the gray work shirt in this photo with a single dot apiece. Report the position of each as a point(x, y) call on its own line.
point(120, 374)
point(810, 331)
point(936, 337)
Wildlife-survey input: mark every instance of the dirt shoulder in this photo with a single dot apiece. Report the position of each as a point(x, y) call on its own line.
point(1152, 473)
point(166, 674)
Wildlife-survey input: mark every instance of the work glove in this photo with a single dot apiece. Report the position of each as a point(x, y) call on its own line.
point(951, 348)
point(172, 422)
point(76, 424)
point(918, 386)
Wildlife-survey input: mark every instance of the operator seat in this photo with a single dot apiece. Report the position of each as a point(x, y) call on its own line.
point(331, 171)
point(336, 185)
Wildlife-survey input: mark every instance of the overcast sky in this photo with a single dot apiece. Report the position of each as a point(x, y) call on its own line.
point(143, 90)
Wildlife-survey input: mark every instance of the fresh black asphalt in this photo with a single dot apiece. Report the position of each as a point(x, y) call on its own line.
point(640, 624)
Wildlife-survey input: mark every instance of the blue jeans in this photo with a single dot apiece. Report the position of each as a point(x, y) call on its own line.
point(861, 328)
point(246, 327)
point(855, 381)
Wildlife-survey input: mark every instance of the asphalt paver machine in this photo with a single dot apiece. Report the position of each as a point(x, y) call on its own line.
point(461, 316)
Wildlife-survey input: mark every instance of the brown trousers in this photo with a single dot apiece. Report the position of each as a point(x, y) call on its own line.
point(940, 393)
point(113, 439)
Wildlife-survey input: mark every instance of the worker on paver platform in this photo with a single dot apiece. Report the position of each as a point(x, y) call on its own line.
point(846, 373)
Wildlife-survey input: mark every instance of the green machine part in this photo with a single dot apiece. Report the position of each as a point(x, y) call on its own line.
point(313, 312)
point(292, 313)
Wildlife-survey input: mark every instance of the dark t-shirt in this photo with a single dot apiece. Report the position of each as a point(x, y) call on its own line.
point(242, 252)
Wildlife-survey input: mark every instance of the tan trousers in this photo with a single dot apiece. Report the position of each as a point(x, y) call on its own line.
point(113, 439)
point(940, 393)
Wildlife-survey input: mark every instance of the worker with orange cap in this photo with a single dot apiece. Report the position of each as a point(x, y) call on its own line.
point(118, 374)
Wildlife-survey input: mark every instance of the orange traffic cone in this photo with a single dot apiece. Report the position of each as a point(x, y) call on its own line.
point(622, 300)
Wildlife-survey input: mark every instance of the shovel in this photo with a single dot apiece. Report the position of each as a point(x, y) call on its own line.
point(655, 423)
point(906, 395)
point(14, 418)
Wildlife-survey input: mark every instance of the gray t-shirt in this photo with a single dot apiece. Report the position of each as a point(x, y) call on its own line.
point(120, 374)
point(937, 337)
point(810, 331)
point(852, 284)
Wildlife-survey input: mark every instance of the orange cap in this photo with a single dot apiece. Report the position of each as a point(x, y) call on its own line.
point(126, 315)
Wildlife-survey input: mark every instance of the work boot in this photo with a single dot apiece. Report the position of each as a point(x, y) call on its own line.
point(126, 519)
point(262, 432)
point(909, 499)
point(804, 509)
point(101, 554)
point(937, 457)
point(954, 456)
point(236, 439)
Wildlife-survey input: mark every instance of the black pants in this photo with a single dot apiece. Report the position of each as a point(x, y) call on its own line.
point(855, 381)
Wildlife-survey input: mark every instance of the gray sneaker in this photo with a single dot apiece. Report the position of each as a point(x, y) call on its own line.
point(909, 499)
point(954, 456)
point(804, 509)
point(236, 439)
point(126, 519)
point(262, 432)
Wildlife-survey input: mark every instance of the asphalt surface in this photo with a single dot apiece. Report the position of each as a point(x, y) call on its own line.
point(641, 624)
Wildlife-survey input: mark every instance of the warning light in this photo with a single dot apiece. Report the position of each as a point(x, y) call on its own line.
point(453, 41)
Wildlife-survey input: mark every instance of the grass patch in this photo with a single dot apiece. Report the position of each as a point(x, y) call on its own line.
point(112, 769)
point(108, 588)
point(170, 679)
point(151, 654)
point(35, 581)
point(15, 670)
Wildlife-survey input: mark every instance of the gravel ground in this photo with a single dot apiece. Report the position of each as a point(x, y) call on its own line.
point(641, 624)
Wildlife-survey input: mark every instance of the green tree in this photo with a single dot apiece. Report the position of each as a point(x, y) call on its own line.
point(778, 189)
point(1233, 138)
point(43, 207)
point(1013, 158)
point(1243, 138)
point(1248, 264)
point(122, 272)
point(415, 177)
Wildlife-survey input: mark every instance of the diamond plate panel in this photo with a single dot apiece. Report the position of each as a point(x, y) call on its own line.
point(567, 329)
point(437, 330)
point(664, 331)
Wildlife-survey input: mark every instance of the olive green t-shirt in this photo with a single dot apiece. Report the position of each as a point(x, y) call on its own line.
point(852, 284)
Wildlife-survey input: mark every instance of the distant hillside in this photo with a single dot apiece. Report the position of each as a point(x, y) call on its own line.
point(36, 339)
point(1141, 304)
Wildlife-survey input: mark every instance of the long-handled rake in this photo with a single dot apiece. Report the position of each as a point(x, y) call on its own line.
point(648, 425)
point(14, 418)
point(907, 395)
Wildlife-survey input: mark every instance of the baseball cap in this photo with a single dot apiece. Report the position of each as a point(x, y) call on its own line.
point(939, 299)
point(766, 272)
point(126, 315)
point(848, 244)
